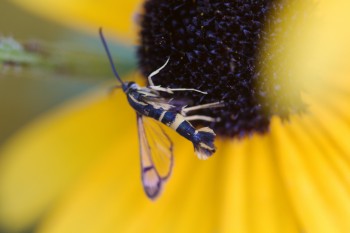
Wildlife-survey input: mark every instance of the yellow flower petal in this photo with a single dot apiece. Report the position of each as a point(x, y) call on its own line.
point(281, 182)
point(46, 157)
point(113, 16)
point(319, 196)
point(192, 201)
point(323, 53)
point(255, 199)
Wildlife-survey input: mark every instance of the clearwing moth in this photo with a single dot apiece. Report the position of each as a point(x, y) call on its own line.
point(156, 148)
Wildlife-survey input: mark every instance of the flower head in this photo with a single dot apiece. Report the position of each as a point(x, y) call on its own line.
point(224, 48)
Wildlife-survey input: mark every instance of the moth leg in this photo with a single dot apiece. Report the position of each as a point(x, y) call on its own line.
point(156, 72)
point(186, 110)
point(171, 90)
point(202, 118)
point(166, 89)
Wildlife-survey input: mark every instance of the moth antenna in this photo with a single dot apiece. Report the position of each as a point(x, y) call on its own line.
point(109, 56)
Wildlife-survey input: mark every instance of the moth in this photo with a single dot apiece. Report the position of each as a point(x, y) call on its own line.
point(156, 148)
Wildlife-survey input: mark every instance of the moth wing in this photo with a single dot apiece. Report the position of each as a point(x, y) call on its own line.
point(156, 154)
point(148, 92)
point(179, 103)
point(154, 98)
point(172, 104)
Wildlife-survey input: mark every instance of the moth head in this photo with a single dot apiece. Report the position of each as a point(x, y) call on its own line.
point(127, 86)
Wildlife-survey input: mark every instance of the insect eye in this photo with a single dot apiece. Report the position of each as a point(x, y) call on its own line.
point(131, 84)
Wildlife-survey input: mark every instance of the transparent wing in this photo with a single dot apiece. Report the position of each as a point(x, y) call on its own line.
point(180, 103)
point(153, 97)
point(156, 153)
point(159, 102)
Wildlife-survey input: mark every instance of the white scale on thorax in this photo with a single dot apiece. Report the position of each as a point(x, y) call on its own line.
point(136, 101)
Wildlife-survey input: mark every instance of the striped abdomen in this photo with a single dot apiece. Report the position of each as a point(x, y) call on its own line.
point(202, 139)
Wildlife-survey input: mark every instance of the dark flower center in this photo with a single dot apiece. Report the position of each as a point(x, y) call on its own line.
point(223, 48)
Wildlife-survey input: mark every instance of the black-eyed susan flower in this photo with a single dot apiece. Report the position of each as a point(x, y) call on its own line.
point(76, 169)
